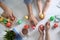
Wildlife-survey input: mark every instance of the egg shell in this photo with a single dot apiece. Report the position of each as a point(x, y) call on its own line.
point(8, 24)
point(41, 27)
point(26, 17)
point(41, 16)
point(33, 27)
point(24, 31)
point(55, 25)
point(52, 18)
point(1, 19)
point(19, 21)
point(26, 26)
point(5, 21)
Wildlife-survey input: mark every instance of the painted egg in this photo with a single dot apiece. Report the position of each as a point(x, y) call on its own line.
point(1, 19)
point(8, 24)
point(52, 18)
point(41, 16)
point(55, 25)
point(33, 27)
point(26, 26)
point(41, 27)
point(8, 20)
point(26, 17)
point(19, 21)
point(5, 21)
point(25, 31)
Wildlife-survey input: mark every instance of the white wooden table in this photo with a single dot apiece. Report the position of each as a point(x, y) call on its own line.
point(20, 10)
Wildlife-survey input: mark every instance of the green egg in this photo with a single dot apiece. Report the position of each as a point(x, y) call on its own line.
point(19, 21)
point(5, 21)
point(52, 18)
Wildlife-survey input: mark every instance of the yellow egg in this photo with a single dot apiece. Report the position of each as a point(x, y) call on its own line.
point(1, 19)
point(41, 16)
point(8, 20)
point(26, 17)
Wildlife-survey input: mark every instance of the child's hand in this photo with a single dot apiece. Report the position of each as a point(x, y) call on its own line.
point(33, 20)
point(40, 31)
point(47, 26)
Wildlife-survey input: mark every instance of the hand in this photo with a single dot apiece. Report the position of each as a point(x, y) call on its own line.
point(47, 26)
point(7, 11)
point(42, 16)
point(8, 15)
point(12, 17)
point(33, 20)
point(0, 3)
point(40, 31)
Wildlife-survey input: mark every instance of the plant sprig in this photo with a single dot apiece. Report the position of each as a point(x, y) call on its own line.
point(10, 35)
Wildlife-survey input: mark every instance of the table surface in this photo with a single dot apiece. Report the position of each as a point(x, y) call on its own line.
point(20, 10)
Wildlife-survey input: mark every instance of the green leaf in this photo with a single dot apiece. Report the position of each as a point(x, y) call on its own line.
point(10, 35)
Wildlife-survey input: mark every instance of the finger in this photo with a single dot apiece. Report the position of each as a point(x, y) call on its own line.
point(39, 29)
point(12, 17)
point(47, 23)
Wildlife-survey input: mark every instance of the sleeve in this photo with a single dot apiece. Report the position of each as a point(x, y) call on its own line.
point(1, 0)
point(28, 2)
